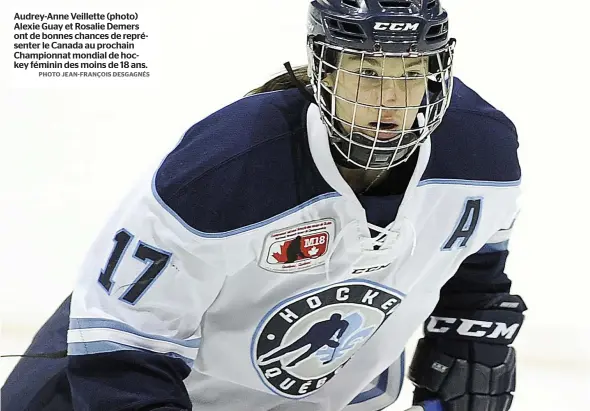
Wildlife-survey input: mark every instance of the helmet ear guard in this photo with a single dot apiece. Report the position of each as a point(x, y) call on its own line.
point(375, 32)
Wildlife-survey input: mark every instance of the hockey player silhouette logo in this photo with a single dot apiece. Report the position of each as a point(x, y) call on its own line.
point(294, 252)
point(304, 341)
point(297, 247)
point(319, 335)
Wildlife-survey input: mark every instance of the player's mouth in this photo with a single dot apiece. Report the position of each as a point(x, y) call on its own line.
point(387, 129)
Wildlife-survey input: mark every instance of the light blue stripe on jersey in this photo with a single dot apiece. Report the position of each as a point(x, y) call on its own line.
point(241, 229)
point(99, 347)
point(89, 323)
point(382, 383)
point(434, 181)
point(402, 374)
point(374, 392)
point(493, 247)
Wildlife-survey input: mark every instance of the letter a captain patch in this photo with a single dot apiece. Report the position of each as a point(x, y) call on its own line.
point(466, 225)
point(299, 247)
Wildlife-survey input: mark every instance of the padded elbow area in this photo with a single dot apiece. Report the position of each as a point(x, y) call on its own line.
point(136, 379)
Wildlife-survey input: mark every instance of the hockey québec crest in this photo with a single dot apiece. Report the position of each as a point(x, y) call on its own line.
point(298, 247)
point(303, 341)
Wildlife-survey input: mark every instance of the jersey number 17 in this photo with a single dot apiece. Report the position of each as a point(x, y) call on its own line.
point(156, 261)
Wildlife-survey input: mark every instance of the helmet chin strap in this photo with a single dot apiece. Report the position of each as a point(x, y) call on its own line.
point(380, 158)
point(362, 155)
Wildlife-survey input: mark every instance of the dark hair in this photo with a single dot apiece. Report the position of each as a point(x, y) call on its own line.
point(283, 81)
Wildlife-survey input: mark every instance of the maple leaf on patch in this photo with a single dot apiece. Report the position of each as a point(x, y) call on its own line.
point(282, 256)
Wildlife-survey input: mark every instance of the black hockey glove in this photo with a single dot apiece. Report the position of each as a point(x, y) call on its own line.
point(465, 360)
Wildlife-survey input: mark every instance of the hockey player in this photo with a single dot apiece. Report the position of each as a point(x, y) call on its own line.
point(284, 252)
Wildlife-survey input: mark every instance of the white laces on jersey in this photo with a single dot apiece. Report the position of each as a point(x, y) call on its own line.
point(381, 243)
point(387, 236)
point(382, 240)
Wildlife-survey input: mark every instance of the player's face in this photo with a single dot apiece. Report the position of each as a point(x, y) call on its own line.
point(375, 90)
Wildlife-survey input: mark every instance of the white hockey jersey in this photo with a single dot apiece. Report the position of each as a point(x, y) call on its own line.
point(247, 257)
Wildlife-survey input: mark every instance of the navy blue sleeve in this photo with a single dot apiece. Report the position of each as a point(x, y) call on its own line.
point(46, 378)
point(128, 380)
point(476, 142)
point(481, 274)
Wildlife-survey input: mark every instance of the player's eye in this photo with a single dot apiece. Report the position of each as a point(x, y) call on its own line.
point(369, 73)
point(414, 74)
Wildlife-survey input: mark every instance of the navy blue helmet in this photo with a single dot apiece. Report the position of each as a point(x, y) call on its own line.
point(381, 71)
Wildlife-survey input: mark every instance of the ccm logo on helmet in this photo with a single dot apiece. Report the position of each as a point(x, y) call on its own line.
point(471, 328)
point(396, 26)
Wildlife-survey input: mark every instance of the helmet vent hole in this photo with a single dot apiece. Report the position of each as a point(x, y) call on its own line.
point(352, 28)
point(412, 6)
point(345, 30)
point(394, 4)
point(438, 32)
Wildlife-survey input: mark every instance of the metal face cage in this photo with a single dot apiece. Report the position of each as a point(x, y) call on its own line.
point(378, 106)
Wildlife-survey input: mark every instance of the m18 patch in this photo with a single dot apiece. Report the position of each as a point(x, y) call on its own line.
point(298, 247)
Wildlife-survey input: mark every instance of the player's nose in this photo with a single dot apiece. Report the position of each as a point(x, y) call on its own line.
point(392, 92)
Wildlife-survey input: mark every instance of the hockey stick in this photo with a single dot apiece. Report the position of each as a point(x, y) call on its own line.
point(331, 358)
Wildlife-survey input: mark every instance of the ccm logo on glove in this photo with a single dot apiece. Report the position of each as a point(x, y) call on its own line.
point(471, 328)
